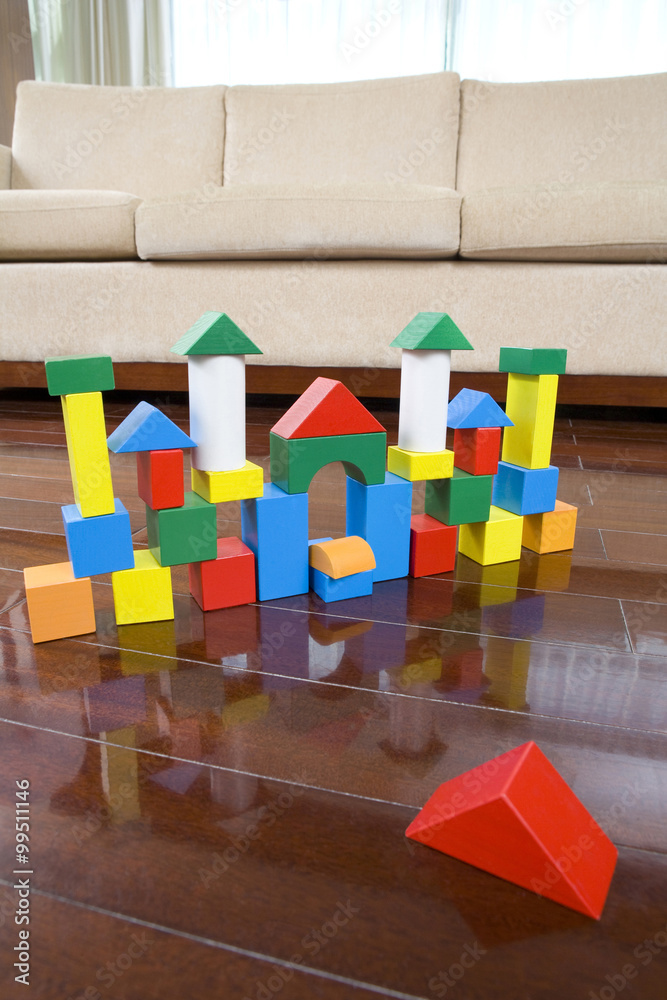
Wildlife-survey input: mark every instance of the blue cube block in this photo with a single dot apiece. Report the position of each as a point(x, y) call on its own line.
point(354, 585)
point(275, 527)
point(381, 515)
point(101, 544)
point(525, 491)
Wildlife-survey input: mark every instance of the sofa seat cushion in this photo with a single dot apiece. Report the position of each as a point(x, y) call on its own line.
point(598, 222)
point(283, 221)
point(67, 225)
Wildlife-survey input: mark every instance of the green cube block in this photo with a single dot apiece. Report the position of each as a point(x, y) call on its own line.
point(178, 535)
point(294, 461)
point(85, 373)
point(463, 499)
point(533, 360)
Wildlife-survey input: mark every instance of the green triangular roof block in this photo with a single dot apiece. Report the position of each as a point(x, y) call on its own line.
point(432, 332)
point(215, 333)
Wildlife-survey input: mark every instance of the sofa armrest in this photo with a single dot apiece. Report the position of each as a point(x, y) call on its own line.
point(5, 167)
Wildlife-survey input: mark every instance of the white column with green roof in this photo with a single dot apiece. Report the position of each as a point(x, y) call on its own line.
point(426, 342)
point(215, 348)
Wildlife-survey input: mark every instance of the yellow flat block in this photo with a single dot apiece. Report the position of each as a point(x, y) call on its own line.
point(531, 405)
point(59, 605)
point(143, 594)
point(417, 466)
point(341, 557)
point(88, 453)
point(551, 532)
point(219, 487)
point(497, 540)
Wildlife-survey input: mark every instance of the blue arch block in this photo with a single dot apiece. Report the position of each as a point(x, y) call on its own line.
point(275, 527)
point(381, 515)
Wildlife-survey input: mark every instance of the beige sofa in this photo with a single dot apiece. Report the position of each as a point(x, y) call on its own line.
point(322, 218)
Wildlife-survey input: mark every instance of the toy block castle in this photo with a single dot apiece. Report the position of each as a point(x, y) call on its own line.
point(479, 502)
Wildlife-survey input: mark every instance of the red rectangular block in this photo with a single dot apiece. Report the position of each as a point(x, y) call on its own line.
point(477, 449)
point(160, 478)
point(432, 546)
point(226, 581)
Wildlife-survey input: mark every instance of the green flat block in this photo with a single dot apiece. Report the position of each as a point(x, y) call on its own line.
point(186, 534)
point(295, 461)
point(533, 360)
point(85, 373)
point(463, 499)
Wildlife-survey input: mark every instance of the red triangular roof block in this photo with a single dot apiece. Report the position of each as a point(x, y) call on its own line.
point(326, 408)
point(517, 818)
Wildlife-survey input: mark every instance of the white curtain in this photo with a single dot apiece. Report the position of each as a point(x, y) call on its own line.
point(123, 42)
point(305, 41)
point(523, 40)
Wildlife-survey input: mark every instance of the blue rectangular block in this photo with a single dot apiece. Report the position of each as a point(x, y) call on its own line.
point(525, 491)
point(101, 544)
point(275, 527)
point(381, 515)
point(355, 585)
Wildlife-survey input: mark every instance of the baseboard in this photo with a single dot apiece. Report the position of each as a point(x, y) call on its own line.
point(581, 390)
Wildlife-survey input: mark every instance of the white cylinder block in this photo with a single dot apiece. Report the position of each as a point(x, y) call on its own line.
point(422, 419)
point(217, 411)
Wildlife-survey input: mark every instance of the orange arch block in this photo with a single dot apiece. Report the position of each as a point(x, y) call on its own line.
point(342, 556)
point(516, 817)
point(326, 408)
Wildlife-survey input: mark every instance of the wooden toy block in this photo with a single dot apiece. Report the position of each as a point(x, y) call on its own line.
point(88, 456)
point(143, 593)
point(477, 450)
point(340, 557)
point(275, 527)
point(101, 544)
point(471, 408)
point(525, 491)
point(459, 500)
point(59, 604)
point(215, 333)
point(326, 408)
point(432, 331)
point(226, 581)
point(533, 361)
point(347, 587)
point(160, 478)
point(295, 461)
point(516, 818)
point(496, 540)
point(217, 411)
point(83, 373)
point(552, 531)
point(184, 534)
point(531, 405)
point(432, 546)
point(381, 515)
point(220, 487)
point(416, 466)
point(147, 429)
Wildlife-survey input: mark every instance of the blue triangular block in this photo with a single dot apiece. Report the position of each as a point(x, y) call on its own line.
point(147, 429)
point(471, 408)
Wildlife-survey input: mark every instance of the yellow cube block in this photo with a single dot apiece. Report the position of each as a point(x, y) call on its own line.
point(219, 487)
point(531, 405)
point(88, 453)
point(497, 540)
point(143, 594)
point(417, 466)
point(551, 532)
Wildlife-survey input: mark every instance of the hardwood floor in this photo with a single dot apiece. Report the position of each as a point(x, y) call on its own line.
point(218, 803)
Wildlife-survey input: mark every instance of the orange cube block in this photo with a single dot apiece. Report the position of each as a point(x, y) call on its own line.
point(550, 532)
point(59, 604)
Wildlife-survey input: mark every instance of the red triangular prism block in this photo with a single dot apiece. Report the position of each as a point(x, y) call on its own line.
point(326, 408)
point(518, 819)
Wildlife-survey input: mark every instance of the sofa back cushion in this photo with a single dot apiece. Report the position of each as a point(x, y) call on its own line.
point(148, 141)
point(564, 132)
point(401, 129)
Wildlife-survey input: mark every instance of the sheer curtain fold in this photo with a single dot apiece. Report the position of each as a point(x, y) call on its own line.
point(122, 42)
